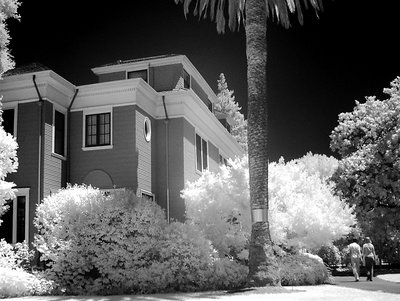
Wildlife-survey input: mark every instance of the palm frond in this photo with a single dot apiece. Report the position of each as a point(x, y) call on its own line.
point(279, 10)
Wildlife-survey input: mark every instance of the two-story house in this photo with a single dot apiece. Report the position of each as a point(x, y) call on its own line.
point(146, 125)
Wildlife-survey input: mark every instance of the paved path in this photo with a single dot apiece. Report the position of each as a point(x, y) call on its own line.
point(379, 284)
point(344, 289)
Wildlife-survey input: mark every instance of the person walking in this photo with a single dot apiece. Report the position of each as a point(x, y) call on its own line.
point(369, 256)
point(355, 257)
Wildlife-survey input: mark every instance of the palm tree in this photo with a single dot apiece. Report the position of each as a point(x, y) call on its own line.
point(263, 268)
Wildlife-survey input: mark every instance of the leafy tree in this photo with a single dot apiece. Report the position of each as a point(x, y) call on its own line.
point(8, 164)
point(227, 105)
point(304, 212)
point(368, 141)
point(8, 9)
point(254, 14)
point(8, 145)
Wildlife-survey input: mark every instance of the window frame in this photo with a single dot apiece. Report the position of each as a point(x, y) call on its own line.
point(97, 111)
point(15, 108)
point(137, 70)
point(203, 142)
point(25, 193)
point(63, 112)
point(144, 192)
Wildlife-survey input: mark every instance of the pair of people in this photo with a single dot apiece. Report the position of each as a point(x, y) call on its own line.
point(368, 256)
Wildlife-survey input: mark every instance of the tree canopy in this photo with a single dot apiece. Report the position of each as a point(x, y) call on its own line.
point(8, 9)
point(278, 10)
point(304, 212)
point(227, 105)
point(368, 141)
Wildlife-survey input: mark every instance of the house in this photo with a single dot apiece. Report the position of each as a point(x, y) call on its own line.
point(146, 125)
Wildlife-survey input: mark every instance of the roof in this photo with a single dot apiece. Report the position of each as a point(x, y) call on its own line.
point(121, 62)
point(33, 67)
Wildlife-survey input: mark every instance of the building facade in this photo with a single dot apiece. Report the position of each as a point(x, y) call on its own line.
point(147, 125)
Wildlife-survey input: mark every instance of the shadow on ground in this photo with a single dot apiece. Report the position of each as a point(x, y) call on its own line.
point(377, 285)
point(181, 296)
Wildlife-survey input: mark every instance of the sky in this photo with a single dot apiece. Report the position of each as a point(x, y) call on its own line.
point(314, 72)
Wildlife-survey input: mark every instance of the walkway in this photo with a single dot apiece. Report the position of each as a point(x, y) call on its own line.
point(344, 289)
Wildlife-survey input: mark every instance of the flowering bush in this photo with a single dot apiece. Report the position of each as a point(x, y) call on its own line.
point(98, 244)
point(303, 211)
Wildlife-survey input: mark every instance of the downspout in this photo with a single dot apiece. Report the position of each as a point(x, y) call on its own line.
point(166, 120)
point(68, 172)
point(41, 141)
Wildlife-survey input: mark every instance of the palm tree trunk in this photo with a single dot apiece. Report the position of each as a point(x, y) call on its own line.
point(263, 269)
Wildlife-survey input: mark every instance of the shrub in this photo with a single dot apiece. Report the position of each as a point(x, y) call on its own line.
point(186, 261)
point(300, 269)
point(15, 256)
point(15, 280)
point(97, 244)
point(330, 255)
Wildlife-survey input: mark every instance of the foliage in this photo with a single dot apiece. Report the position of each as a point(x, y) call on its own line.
point(8, 164)
point(15, 256)
point(303, 213)
point(219, 205)
point(227, 105)
point(278, 10)
point(18, 282)
point(8, 9)
point(368, 176)
point(330, 254)
point(300, 269)
point(15, 276)
point(97, 244)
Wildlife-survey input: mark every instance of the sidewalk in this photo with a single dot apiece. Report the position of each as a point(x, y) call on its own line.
point(344, 289)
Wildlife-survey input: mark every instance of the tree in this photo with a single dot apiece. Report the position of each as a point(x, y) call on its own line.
point(254, 14)
point(227, 105)
point(8, 145)
point(8, 9)
point(368, 141)
point(8, 164)
point(304, 211)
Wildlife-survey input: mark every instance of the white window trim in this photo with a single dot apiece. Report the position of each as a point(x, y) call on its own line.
point(53, 143)
point(138, 69)
point(201, 149)
point(91, 111)
point(146, 192)
point(12, 106)
point(20, 192)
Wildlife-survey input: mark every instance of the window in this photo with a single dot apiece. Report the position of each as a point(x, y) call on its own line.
point(98, 130)
point(201, 154)
point(147, 129)
point(137, 74)
point(146, 195)
point(59, 133)
point(15, 221)
point(8, 121)
point(186, 79)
